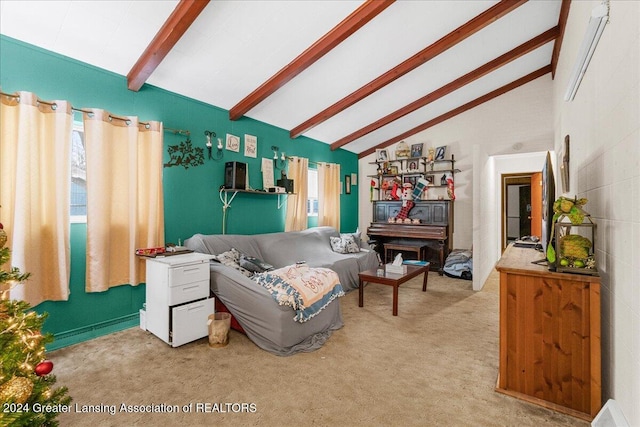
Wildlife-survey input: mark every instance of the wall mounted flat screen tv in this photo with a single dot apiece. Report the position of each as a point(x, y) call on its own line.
point(548, 197)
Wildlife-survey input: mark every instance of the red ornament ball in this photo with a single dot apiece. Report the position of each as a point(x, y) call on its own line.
point(44, 367)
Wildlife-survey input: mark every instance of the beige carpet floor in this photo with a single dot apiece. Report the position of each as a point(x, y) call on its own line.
point(435, 364)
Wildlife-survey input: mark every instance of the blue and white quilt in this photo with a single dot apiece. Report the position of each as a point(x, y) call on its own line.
point(306, 290)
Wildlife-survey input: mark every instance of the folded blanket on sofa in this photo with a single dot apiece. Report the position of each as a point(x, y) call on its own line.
point(306, 290)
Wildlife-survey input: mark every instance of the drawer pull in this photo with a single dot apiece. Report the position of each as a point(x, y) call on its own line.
point(195, 307)
point(188, 288)
point(190, 270)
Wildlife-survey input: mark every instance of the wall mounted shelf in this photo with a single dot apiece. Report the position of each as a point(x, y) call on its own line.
point(224, 195)
point(226, 200)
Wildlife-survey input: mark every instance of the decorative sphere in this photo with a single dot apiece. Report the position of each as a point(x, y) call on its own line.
point(17, 389)
point(44, 367)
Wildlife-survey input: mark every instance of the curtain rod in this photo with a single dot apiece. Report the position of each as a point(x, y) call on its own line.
point(327, 164)
point(53, 106)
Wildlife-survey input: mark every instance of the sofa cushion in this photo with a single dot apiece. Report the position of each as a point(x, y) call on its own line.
point(345, 244)
point(357, 237)
point(231, 259)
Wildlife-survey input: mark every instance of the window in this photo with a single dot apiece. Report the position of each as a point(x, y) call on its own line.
point(312, 192)
point(78, 175)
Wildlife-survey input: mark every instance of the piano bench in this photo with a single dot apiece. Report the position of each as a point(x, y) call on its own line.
point(419, 249)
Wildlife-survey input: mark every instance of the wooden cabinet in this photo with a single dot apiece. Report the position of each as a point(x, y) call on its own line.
point(549, 335)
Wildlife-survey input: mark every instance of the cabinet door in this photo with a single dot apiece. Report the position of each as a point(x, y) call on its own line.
point(546, 340)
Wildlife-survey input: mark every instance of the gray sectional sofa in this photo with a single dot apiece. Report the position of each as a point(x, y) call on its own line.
point(267, 324)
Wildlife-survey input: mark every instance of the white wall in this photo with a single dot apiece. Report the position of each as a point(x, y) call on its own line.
point(489, 206)
point(604, 126)
point(517, 122)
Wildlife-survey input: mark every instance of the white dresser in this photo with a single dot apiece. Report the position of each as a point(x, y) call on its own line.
point(178, 303)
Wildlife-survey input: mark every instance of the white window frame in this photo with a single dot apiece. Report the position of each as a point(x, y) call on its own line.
point(312, 192)
point(78, 126)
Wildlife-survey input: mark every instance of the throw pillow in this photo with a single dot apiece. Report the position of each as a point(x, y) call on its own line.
point(231, 259)
point(356, 237)
point(344, 245)
point(254, 264)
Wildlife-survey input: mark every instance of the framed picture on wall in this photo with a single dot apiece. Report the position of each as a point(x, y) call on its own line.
point(233, 143)
point(416, 150)
point(347, 184)
point(250, 146)
point(440, 152)
point(564, 166)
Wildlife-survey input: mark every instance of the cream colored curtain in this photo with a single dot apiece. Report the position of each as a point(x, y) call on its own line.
point(124, 197)
point(329, 195)
point(35, 182)
point(296, 218)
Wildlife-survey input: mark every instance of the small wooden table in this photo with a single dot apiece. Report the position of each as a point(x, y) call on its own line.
point(392, 279)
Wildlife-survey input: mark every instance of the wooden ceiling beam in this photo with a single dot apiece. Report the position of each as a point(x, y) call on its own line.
point(352, 23)
point(172, 30)
point(562, 23)
point(459, 110)
point(456, 36)
point(471, 76)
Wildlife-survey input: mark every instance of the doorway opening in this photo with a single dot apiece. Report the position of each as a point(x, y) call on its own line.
point(521, 206)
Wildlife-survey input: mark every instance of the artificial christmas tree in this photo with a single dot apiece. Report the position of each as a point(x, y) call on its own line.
point(27, 396)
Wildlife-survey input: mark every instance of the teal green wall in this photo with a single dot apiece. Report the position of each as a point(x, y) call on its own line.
point(192, 203)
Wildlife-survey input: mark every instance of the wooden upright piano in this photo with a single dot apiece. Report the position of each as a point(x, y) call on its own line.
point(435, 229)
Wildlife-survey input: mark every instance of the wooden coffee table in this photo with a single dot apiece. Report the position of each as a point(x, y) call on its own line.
point(392, 279)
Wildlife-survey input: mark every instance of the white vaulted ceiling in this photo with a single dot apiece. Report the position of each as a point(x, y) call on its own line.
point(232, 47)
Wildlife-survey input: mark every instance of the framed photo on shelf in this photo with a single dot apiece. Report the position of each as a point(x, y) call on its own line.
point(416, 150)
point(413, 165)
point(430, 179)
point(382, 155)
point(393, 170)
point(440, 152)
point(411, 179)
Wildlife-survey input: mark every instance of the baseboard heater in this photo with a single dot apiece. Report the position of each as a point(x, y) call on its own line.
point(85, 333)
point(610, 416)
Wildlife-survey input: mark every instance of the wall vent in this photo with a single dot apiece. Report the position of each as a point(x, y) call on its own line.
point(610, 416)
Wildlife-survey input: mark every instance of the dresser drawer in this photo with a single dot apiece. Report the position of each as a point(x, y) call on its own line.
point(189, 321)
point(188, 292)
point(188, 274)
